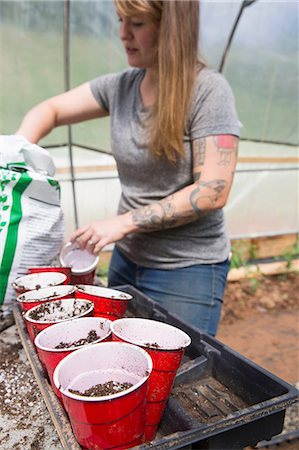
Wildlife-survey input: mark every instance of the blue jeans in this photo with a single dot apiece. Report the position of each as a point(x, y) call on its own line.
point(194, 293)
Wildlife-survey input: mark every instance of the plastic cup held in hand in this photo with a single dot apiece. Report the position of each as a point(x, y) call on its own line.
point(83, 263)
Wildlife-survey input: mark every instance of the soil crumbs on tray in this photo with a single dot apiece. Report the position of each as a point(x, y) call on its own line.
point(260, 321)
point(25, 422)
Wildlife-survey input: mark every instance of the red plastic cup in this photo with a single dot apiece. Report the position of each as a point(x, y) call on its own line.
point(67, 310)
point(65, 270)
point(112, 421)
point(109, 303)
point(68, 332)
point(35, 281)
point(34, 298)
point(82, 263)
point(166, 345)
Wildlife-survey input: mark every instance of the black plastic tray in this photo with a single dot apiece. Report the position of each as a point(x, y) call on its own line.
point(220, 399)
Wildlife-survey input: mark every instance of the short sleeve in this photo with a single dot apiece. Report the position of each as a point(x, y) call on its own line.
point(213, 109)
point(103, 88)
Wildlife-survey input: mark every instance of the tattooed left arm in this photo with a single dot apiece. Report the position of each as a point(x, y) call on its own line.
point(214, 162)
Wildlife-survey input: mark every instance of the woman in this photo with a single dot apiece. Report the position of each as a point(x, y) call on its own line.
point(175, 138)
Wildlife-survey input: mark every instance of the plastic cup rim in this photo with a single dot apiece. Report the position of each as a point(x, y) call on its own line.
point(16, 285)
point(102, 398)
point(61, 350)
point(52, 298)
point(151, 347)
point(84, 271)
point(79, 288)
point(26, 315)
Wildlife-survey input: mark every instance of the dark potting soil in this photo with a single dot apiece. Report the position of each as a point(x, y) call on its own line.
point(100, 390)
point(152, 345)
point(37, 287)
point(56, 307)
point(50, 297)
point(91, 337)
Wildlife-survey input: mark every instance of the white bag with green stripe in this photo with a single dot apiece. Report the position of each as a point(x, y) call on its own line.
point(31, 219)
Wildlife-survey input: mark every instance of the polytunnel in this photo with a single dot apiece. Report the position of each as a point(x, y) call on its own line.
point(50, 46)
point(231, 392)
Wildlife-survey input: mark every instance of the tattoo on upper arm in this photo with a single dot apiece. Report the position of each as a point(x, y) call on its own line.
point(227, 146)
point(199, 156)
point(215, 187)
point(199, 151)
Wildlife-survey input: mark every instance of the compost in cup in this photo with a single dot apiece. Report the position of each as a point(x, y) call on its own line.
point(166, 345)
point(38, 296)
point(109, 421)
point(49, 313)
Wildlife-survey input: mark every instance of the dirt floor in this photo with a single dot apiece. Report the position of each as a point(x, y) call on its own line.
point(260, 320)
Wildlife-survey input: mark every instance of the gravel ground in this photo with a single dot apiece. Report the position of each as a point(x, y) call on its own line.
point(25, 421)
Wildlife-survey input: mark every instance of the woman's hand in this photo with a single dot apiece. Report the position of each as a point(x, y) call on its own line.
point(100, 233)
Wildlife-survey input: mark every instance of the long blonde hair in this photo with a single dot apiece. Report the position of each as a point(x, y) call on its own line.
point(178, 62)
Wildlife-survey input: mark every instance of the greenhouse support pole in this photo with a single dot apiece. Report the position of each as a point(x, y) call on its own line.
point(245, 3)
point(66, 47)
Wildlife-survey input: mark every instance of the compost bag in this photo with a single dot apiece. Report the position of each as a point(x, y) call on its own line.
point(31, 218)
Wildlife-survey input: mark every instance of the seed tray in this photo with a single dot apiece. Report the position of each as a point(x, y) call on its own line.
point(220, 400)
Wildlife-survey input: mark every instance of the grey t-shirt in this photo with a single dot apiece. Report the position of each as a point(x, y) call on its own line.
point(146, 179)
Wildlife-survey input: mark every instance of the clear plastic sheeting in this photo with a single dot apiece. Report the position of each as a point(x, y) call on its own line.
point(32, 62)
point(217, 21)
point(262, 68)
point(263, 203)
point(95, 50)
point(264, 200)
point(97, 185)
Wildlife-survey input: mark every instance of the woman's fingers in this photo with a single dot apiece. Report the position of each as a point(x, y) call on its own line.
point(78, 233)
point(84, 239)
point(97, 235)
